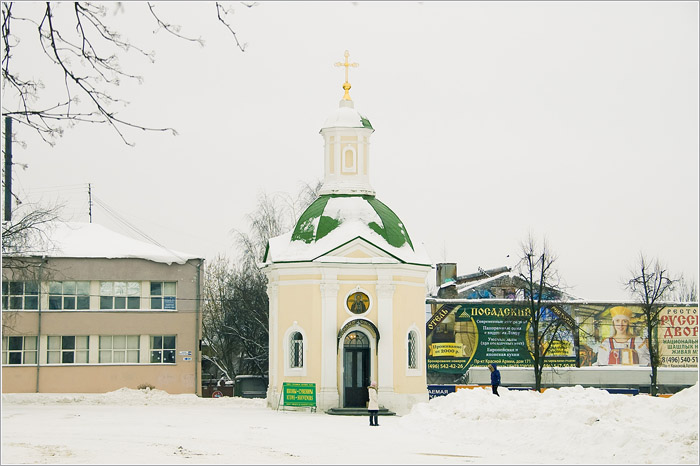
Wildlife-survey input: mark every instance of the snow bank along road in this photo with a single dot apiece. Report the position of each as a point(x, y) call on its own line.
point(569, 425)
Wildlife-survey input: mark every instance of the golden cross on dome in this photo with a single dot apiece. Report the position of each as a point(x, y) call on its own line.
point(347, 66)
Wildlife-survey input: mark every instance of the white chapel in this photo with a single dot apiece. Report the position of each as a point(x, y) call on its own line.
point(347, 285)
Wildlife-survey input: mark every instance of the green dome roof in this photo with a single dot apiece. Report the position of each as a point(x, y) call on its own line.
point(333, 211)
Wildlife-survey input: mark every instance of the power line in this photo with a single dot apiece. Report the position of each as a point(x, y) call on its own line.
point(132, 227)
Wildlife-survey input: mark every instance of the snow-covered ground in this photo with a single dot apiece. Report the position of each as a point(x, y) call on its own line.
point(570, 425)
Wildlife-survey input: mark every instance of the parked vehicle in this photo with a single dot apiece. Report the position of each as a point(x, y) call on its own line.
point(250, 386)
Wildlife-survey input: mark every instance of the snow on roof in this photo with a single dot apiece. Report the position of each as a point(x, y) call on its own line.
point(347, 218)
point(345, 116)
point(90, 240)
point(282, 249)
point(461, 288)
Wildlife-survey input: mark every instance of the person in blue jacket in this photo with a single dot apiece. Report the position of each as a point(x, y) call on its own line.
point(495, 378)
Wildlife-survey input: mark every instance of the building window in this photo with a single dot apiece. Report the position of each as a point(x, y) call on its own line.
point(20, 295)
point(163, 349)
point(120, 295)
point(296, 351)
point(412, 350)
point(349, 159)
point(119, 348)
point(19, 350)
point(163, 295)
point(67, 350)
point(69, 295)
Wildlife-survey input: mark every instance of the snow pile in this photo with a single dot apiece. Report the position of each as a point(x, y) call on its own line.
point(128, 397)
point(573, 424)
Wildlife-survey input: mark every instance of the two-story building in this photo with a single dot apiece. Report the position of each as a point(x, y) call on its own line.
point(91, 310)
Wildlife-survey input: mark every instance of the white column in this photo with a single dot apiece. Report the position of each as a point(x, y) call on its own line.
point(273, 342)
point(361, 158)
point(338, 156)
point(328, 395)
point(327, 158)
point(385, 309)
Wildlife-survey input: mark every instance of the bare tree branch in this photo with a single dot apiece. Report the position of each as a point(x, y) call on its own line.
point(650, 284)
point(77, 40)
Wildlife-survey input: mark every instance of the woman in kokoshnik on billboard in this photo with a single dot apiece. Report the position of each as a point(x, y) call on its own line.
point(623, 347)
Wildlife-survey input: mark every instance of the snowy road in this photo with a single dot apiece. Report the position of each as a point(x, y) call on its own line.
point(472, 426)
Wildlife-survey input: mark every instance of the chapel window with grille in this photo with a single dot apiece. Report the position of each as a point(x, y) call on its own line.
point(412, 350)
point(296, 350)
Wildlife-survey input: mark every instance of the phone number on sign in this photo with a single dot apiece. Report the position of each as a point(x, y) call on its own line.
point(679, 360)
point(444, 365)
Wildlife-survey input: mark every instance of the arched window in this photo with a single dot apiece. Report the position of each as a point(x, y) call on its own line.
point(412, 350)
point(356, 340)
point(296, 350)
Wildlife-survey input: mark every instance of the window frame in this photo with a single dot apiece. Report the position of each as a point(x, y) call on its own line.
point(10, 296)
point(413, 339)
point(289, 344)
point(64, 350)
point(296, 351)
point(162, 297)
point(105, 348)
point(23, 351)
point(162, 349)
point(63, 297)
point(412, 360)
point(109, 297)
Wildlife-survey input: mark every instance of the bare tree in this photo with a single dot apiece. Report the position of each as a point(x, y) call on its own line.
point(685, 291)
point(650, 284)
point(234, 322)
point(539, 283)
point(82, 48)
point(235, 318)
point(24, 241)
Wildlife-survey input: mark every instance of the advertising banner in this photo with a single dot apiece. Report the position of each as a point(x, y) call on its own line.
point(462, 335)
point(616, 335)
point(678, 337)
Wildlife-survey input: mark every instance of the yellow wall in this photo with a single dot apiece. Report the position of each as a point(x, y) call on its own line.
point(409, 310)
point(300, 300)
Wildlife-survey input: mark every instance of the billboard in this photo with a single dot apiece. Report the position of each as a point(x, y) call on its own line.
point(461, 335)
point(616, 335)
point(678, 336)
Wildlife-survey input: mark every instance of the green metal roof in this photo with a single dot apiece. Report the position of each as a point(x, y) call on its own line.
point(317, 222)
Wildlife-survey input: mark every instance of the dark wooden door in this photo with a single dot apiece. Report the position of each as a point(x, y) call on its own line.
point(356, 377)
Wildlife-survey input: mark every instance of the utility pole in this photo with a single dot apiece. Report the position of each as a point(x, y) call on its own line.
point(8, 168)
point(90, 201)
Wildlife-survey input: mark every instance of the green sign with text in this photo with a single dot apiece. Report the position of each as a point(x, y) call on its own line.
point(299, 394)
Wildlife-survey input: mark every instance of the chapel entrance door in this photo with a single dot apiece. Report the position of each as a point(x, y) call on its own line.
point(356, 370)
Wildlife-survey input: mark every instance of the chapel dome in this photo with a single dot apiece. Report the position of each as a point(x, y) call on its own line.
point(355, 215)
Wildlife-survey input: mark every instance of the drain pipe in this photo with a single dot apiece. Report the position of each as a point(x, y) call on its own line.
point(197, 328)
point(38, 336)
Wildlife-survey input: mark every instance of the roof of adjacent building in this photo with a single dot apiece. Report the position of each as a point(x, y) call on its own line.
point(90, 240)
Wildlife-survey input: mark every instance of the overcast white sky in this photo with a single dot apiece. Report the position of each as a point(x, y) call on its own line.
point(577, 121)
